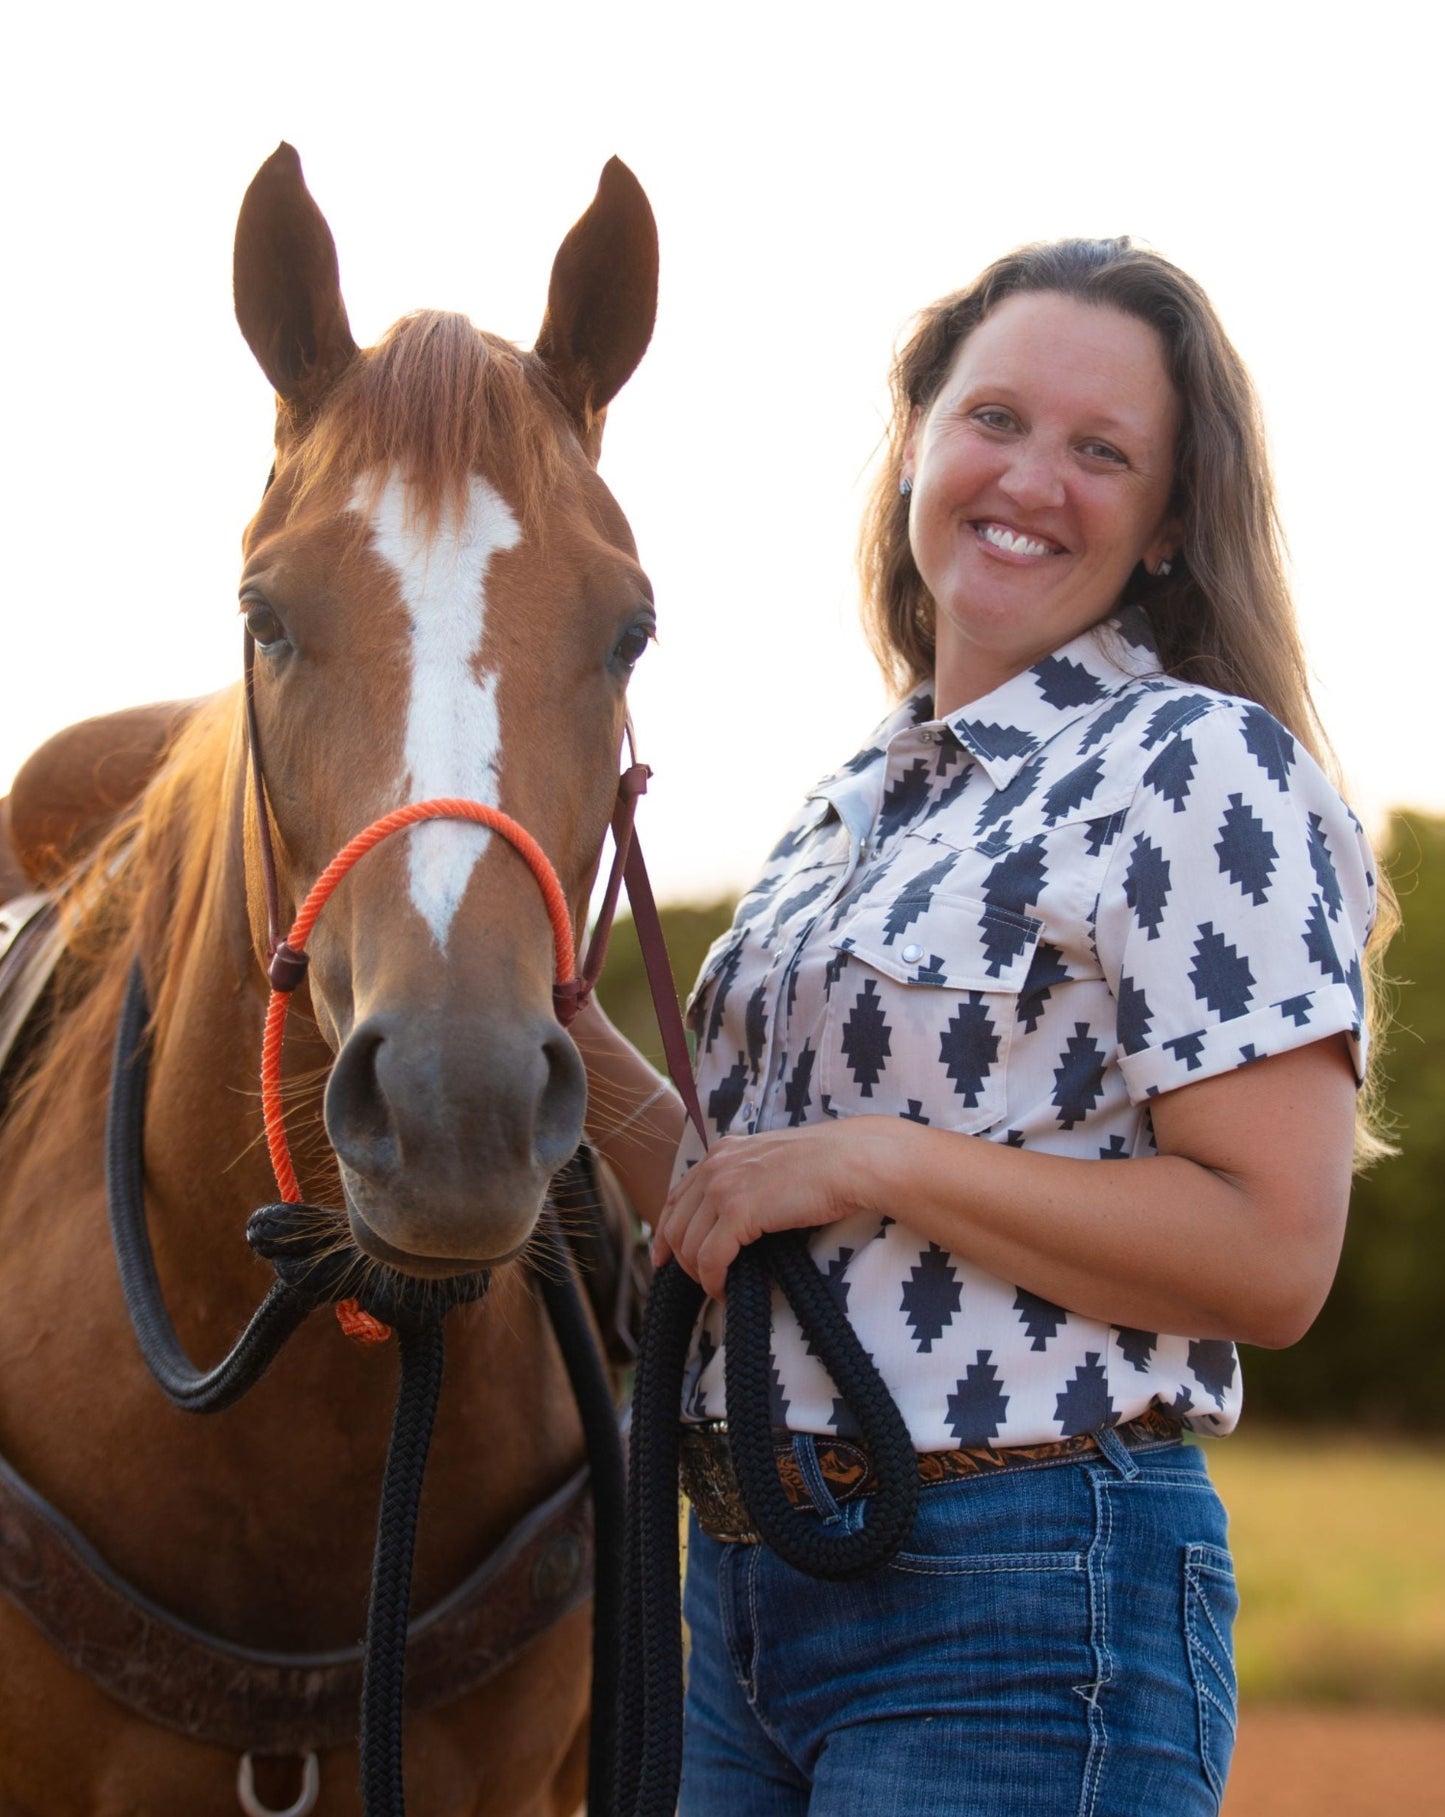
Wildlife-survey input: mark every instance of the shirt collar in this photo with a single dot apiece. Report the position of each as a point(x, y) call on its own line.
point(1005, 728)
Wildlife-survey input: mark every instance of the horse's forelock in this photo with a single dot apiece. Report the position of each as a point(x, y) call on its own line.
point(438, 401)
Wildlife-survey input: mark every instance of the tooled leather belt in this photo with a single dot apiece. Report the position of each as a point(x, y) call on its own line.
point(711, 1486)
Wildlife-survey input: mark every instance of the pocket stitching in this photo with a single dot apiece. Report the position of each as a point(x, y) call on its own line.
point(873, 955)
point(1203, 1603)
point(1199, 1567)
point(953, 1564)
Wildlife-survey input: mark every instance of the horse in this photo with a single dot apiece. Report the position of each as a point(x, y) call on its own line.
point(444, 600)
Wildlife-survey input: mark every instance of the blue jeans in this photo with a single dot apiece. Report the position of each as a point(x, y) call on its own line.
point(1051, 1643)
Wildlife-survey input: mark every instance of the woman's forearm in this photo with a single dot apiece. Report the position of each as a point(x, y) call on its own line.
point(1160, 1244)
point(1234, 1234)
point(634, 1118)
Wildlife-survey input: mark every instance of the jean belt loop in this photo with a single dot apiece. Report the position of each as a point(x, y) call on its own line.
point(1117, 1452)
point(805, 1451)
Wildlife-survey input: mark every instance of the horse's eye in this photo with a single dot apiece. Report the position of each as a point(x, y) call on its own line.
point(629, 647)
point(263, 624)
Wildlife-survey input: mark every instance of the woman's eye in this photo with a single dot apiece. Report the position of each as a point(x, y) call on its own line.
point(1101, 451)
point(263, 624)
point(993, 419)
point(629, 647)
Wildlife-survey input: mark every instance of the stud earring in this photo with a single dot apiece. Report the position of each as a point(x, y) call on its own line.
point(905, 486)
point(1164, 570)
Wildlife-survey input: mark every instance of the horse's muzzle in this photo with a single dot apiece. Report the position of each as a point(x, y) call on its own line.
point(448, 1134)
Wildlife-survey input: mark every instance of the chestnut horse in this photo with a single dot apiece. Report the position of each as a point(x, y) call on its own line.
point(445, 601)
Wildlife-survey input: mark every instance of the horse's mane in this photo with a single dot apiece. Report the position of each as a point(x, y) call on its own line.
point(142, 890)
point(440, 400)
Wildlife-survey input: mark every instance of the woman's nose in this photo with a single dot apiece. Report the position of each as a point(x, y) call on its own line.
point(1033, 478)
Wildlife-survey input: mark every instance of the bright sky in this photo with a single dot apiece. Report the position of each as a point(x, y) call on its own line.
point(818, 173)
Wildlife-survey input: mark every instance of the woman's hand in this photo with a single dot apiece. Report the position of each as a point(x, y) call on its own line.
point(785, 1179)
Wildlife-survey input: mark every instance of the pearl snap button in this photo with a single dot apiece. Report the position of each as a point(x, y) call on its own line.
point(912, 953)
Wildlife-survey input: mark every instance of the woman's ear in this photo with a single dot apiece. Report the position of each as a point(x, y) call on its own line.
point(1165, 545)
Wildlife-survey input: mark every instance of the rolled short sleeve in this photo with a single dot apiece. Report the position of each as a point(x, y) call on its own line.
point(1234, 915)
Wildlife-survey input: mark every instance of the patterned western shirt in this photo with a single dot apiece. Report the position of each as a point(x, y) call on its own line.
point(1021, 923)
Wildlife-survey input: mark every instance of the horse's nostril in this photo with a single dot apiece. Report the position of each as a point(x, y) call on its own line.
point(559, 1111)
point(359, 1119)
point(409, 1114)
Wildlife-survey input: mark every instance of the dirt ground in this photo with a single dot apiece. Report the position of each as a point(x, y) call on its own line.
point(1337, 1763)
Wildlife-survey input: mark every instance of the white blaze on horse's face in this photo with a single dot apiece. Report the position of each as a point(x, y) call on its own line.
point(453, 734)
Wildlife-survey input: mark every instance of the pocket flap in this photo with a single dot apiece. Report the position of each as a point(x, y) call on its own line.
point(957, 942)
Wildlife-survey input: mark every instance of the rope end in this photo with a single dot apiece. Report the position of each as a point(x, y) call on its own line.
point(358, 1325)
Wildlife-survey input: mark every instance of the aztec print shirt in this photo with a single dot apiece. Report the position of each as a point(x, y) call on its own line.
point(1021, 923)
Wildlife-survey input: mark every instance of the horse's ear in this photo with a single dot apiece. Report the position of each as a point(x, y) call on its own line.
point(288, 292)
point(602, 300)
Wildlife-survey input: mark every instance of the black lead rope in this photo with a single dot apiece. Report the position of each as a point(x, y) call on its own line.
point(278, 1315)
point(593, 1394)
point(649, 1715)
point(383, 1672)
point(300, 1244)
point(794, 1534)
point(650, 1711)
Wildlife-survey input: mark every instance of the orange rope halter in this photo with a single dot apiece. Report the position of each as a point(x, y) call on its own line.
point(288, 967)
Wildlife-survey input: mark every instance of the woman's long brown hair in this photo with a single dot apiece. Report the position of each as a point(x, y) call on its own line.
point(1224, 618)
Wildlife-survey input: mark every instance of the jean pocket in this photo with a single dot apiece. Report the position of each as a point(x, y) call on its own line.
point(1211, 1601)
point(1007, 1524)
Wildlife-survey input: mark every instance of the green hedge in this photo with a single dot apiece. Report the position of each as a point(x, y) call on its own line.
point(1374, 1356)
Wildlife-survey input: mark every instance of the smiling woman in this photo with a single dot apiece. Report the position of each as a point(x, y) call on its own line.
point(1085, 895)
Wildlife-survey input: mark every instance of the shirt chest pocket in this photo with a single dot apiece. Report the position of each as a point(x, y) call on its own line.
point(922, 1002)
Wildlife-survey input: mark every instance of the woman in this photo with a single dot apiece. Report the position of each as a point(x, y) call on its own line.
point(1086, 895)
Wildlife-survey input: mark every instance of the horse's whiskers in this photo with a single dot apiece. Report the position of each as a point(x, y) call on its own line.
point(540, 1260)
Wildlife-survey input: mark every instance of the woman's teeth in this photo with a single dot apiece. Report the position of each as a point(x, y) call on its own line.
point(1014, 541)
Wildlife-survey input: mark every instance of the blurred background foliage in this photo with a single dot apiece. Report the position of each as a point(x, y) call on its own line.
point(1376, 1357)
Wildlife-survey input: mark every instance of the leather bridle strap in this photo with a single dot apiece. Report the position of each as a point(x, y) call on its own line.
point(648, 924)
point(263, 808)
point(631, 785)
